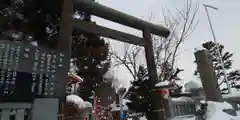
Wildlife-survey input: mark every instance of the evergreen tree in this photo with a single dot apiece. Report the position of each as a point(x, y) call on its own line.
point(140, 89)
point(36, 19)
point(91, 57)
point(168, 73)
point(232, 75)
point(139, 93)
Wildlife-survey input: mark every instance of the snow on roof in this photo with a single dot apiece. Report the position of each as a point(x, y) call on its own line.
point(162, 84)
point(193, 84)
point(78, 101)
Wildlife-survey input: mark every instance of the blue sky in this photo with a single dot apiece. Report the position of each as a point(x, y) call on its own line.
point(225, 22)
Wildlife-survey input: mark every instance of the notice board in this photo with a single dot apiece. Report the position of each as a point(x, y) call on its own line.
point(28, 72)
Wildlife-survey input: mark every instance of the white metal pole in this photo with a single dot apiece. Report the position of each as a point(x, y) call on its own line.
point(217, 46)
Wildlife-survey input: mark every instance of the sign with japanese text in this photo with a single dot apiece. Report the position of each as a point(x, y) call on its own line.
point(27, 71)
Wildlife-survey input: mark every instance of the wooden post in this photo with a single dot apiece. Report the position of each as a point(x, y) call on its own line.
point(208, 76)
point(157, 112)
point(117, 117)
point(66, 25)
point(65, 33)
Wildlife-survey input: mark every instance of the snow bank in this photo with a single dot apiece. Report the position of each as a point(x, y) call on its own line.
point(215, 111)
point(78, 101)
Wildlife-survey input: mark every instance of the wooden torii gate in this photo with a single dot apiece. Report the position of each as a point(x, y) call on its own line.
point(67, 22)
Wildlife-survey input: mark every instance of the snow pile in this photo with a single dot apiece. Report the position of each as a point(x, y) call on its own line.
point(78, 101)
point(143, 118)
point(162, 84)
point(215, 111)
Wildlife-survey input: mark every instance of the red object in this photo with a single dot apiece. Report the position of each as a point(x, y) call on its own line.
point(163, 91)
point(95, 108)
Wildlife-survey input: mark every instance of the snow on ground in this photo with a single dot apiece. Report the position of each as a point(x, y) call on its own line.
point(215, 111)
point(78, 101)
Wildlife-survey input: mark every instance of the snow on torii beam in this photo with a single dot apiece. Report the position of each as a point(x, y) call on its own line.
point(118, 17)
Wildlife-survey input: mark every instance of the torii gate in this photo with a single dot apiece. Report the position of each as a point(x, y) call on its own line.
point(99, 10)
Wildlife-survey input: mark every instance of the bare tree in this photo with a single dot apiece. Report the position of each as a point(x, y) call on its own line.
point(182, 23)
point(130, 58)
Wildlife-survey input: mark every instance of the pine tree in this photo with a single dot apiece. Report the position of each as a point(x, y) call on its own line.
point(36, 19)
point(91, 57)
point(168, 73)
point(232, 75)
point(139, 93)
point(140, 89)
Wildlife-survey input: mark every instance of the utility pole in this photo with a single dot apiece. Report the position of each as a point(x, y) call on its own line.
point(157, 111)
point(217, 46)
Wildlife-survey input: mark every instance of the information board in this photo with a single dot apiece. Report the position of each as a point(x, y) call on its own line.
point(27, 71)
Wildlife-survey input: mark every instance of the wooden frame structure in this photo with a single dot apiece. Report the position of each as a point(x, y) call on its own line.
point(157, 111)
point(47, 108)
point(115, 16)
